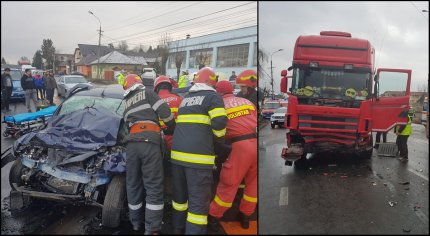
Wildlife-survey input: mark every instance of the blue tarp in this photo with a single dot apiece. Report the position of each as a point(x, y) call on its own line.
point(79, 131)
point(19, 118)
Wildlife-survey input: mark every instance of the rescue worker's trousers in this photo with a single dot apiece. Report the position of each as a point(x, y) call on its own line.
point(191, 198)
point(145, 171)
point(402, 145)
point(241, 164)
point(378, 138)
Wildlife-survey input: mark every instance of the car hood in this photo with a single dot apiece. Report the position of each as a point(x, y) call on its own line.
point(73, 85)
point(77, 132)
point(279, 114)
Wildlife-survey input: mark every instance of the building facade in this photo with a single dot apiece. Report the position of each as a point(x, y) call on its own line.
point(233, 50)
point(63, 63)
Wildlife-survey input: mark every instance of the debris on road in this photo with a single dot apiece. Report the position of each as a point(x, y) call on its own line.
point(406, 188)
point(344, 176)
point(385, 184)
point(406, 230)
point(81, 220)
point(420, 170)
point(374, 183)
point(325, 174)
point(392, 203)
point(404, 183)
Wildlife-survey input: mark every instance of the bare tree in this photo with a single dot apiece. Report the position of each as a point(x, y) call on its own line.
point(178, 57)
point(203, 55)
point(422, 88)
point(163, 52)
point(123, 46)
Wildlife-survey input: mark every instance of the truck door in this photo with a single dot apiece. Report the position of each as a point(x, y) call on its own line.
point(390, 104)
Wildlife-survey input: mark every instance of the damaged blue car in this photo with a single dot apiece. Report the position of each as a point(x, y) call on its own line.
point(77, 156)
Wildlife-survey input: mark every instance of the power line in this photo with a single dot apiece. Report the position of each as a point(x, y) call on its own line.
point(202, 23)
point(131, 35)
point(418, 10)
point(174, 10)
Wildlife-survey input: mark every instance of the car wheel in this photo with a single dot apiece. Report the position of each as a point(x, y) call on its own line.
point(16, 173)
point(114, 203)
point(272, 125)
point(5, 134)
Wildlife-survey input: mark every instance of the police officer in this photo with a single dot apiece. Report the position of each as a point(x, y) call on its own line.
point(403, 132)
point(242, 161)
point(143, 108)
point(201, 121)
point(163, 87)
point(121, 77)
point(248, 82)
point(183, 80)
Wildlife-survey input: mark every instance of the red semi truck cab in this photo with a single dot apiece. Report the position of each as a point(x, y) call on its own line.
point(337, 98)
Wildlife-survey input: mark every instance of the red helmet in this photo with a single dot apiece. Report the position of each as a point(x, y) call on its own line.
point(247, 78)
point(224, 87)
point(206, 75)
point(161, 79)
point(131, 80)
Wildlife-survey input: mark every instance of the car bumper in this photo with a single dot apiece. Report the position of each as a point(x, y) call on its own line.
point(267, 115)
point(17, 96)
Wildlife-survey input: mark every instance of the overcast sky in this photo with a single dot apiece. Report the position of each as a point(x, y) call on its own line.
point(397, 30)
point(24, 25)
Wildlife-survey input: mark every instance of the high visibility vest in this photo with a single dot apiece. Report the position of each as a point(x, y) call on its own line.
point(407, 131)
point(121, 79)
point(182, 82)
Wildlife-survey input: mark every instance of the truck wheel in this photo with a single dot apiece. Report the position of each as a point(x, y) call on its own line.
point(272, 125)
point(366, 154)
point(16, 173)
point(302, 162)
point(114, 203)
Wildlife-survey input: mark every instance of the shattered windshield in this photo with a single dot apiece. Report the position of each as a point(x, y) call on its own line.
point(330, 83)
point(76, 103)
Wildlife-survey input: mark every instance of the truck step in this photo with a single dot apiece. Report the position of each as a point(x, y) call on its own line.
point(388, 149)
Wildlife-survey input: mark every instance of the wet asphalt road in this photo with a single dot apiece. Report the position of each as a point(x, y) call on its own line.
point(350, 197)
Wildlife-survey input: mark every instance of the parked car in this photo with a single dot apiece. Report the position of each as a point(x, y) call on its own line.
point(66, 82)
point(149, 73)
point(17, 92)
point(269, 108)
point(78, 156)
point(278, 118)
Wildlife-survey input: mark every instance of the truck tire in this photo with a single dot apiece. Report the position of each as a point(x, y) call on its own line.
point(302, 162)
point(366, 154)
point(114, 203)
point(15, 174)
point(272, 125)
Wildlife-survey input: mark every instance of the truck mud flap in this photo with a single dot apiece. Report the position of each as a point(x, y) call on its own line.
point(293, 153)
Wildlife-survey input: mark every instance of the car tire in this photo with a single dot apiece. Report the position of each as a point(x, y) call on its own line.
point(114, 203)
point(15, 174)
point(272, 125)
point(301, 163)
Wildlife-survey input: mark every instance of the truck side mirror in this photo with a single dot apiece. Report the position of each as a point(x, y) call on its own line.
point(376, 87)
point(284, 84)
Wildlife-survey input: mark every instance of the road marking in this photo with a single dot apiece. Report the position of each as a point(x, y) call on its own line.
point(422, 216)
point(419, 174)
point(284, 169)
point(283, 196)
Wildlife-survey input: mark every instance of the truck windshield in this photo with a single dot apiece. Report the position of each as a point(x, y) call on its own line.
point(330, 83)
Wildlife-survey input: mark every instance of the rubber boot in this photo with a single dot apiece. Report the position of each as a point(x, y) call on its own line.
point(213, 224)
point(244, 221)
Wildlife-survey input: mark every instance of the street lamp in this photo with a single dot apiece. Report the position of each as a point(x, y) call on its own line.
point(100, 36)
point(271, 70)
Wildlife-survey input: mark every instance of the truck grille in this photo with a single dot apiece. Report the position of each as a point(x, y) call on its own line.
point(331, 129)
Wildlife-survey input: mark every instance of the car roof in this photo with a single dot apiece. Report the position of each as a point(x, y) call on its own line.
point(110, 91)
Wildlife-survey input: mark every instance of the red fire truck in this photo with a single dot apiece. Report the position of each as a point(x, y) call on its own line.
point(337, 97)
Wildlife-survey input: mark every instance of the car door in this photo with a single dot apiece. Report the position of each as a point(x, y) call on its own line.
point(390, 103)
point(61, 86)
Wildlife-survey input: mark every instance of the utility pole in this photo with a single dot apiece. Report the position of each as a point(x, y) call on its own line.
point(100, 37)
point(271, 71)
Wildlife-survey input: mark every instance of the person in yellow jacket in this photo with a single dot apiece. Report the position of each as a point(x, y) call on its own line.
point(183, 80)
point(403, 132)
point(121, 78)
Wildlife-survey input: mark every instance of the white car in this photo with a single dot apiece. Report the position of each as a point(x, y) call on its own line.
point(66, 82)
point(149, 73)
point(278, 117)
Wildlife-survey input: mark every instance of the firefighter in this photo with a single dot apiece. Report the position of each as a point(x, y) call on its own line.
point(163, 87)
point(201, 122)
point(403, 132)
point(247, 80)
point(242, 161)
point(143, 108)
